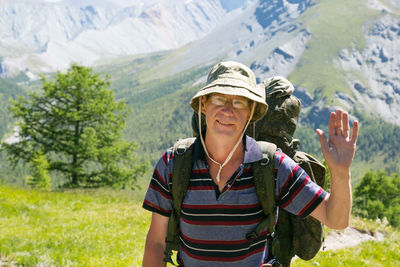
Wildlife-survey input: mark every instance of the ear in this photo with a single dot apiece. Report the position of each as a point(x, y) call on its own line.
point(203, 101)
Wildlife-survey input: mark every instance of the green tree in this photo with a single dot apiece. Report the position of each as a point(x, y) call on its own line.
point(40, 178)
point(77, 124)
point(378, 196)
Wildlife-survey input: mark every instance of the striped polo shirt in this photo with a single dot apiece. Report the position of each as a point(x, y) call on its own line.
point(214, 224)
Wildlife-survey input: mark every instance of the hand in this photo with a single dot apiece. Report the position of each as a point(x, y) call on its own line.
point(339, 150)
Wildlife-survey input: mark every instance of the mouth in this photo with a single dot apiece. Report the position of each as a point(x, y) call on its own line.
point(223, 123)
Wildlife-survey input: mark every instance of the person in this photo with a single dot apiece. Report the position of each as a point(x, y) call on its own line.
point(221, 206)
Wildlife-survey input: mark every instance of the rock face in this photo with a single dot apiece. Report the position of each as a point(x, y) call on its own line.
point(43, 36)
point(379, 66)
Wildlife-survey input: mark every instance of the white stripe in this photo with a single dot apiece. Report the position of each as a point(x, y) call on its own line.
point(160, 184)
point(245, 178)
point(220, 250)
point(298, 177)
point(232, 215)
point(200, 179)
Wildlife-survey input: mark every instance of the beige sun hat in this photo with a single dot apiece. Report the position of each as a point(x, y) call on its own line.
point(233, 78)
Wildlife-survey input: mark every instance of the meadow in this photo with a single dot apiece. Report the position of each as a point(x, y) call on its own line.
point(108, 228)
point(74, 228)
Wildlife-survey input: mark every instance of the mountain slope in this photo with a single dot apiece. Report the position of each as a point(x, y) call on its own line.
point(314, 47)
point(338, 53)
point(43, 37)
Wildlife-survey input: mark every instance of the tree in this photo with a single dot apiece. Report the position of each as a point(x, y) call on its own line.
point(378, 196)
point(77, 125)
point(40, 178)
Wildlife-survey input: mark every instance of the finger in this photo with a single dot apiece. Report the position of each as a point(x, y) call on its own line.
point(354, 134)
point(332, 119)
point(338, 122)
point(346, 128)
point(322, 141)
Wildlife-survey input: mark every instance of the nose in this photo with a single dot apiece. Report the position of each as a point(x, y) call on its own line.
point(228, 108)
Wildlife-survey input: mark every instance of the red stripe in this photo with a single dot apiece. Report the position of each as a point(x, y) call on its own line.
point(311, 202)
point(165, 158)
point(200, 171)
point(160, 177)
point(156, 207)
point(160, 191)
point(206, 207)
point(220, 222)
point(303, 184)
point(296, 167)
point(223, 259)
point(245, 170)
point(215, 242)
point(240, 187)
point(281, 159)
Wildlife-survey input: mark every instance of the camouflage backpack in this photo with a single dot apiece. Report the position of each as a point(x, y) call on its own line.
point(293, 235)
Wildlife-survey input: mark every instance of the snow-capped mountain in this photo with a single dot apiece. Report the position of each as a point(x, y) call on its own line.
point(349, 54)
point(44, 36)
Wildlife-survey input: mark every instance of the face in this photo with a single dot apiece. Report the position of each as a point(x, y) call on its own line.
point(226, 115)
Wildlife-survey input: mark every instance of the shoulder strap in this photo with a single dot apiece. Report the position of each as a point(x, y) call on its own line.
point(182, 170)
point(264, 182)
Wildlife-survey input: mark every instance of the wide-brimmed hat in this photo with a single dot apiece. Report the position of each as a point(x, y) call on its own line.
point(233, 78)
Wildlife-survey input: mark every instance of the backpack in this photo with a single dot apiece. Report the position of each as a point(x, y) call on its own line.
point(264, 182)
point(292, 235)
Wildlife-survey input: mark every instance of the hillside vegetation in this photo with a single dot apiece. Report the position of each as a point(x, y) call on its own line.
point(73, 228)
point(108, 228)
point(8, 90)
point(161, 115)
point(334, 25)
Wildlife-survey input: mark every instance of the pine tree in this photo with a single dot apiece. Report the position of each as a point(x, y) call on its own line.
point(77, 124)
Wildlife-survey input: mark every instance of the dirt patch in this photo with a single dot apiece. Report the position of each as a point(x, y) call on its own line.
point(4, 261)
point(349, 237)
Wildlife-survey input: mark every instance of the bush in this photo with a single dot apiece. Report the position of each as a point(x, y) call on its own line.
point(378, 196)
point(40, 178)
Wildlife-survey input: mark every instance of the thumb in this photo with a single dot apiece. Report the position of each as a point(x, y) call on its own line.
point(322, 140)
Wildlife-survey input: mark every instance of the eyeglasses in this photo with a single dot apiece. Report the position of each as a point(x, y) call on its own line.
point(237, 103)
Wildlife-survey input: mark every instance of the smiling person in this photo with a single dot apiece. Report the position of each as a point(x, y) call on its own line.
point(220, 207)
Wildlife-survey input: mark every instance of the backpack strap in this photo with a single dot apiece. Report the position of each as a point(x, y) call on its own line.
point(181, 172)
point(264, 182)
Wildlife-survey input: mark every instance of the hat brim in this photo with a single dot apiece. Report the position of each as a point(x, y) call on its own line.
point(261, 107)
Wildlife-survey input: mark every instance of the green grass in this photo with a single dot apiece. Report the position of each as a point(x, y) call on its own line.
point(72, 228)
point(368, 253)
point(108, 228)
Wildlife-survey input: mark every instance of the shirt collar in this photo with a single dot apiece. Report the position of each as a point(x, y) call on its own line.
point(252, 151)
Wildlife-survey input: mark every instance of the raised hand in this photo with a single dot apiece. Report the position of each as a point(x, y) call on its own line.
point(339, 150)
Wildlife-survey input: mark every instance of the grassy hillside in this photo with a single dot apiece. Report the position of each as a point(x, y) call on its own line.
point(334, 25)
point(108, 228)
point(75, 228)
point(366, 254)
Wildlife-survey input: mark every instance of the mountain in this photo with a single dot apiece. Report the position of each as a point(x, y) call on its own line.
point(330, 50)
point(348, 54)
point(338, 53)
point(44, 36)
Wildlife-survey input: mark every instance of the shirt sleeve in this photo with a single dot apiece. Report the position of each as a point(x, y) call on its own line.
point(158, 196)
point(295, 191)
